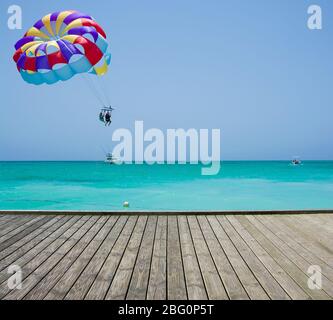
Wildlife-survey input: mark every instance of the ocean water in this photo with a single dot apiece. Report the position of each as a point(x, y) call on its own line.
point(256, 185)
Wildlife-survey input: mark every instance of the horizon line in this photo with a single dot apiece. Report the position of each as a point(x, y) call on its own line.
point(176, 161)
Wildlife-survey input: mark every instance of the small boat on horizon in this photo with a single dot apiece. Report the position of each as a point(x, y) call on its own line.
point(110, 159)
point(296, 161)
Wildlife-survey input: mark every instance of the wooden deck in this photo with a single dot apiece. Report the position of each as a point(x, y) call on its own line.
point(166, 257)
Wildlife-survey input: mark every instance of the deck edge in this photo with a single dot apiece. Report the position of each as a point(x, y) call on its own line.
point(163, 213)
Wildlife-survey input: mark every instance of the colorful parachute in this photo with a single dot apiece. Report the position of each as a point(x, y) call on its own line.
point(61, 45)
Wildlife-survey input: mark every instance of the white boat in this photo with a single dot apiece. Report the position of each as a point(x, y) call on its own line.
point(296, 161)
point(110, 159)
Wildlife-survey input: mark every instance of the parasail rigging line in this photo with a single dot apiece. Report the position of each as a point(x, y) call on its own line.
point(89, 82)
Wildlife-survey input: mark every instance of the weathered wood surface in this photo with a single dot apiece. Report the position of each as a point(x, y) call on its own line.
point(241, 256)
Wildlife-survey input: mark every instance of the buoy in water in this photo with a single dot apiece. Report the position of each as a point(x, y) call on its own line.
point(126, 204)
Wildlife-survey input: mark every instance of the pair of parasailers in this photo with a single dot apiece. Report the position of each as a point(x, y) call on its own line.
point(105, 117)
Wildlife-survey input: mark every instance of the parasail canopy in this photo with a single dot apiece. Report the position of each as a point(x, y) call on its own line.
point(61, 45)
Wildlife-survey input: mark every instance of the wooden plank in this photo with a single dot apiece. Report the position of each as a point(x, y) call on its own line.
point(325, 218)
point(15, 223)
point(40, 269)
point(265, 278)
point(7, 220)
point(292, 255)
point(290, 240)
point(67, 258)
point(213, 283)
point(229, 278)
point(17, 246)
point(17, 227)
point(122, 278)
point(19, 234)
point(83, 256)
point(139, 282)
point(289, 266)
point(318, 231)
point(307, 241)
point(244, 273)
point(105, 276)
point(194, 282)
point(317, 224)
point(176, 288)
point(88, 276)
point(37, 253)
point(320, 225)
point(323, 221)
point(157, 280)
point(3, 217)
point(20, 248)
point(286, 282)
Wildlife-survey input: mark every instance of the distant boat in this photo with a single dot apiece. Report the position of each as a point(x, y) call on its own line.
point(110, 159)
point(296, 161)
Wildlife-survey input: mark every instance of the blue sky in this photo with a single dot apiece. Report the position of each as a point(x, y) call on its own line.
point(251, 68)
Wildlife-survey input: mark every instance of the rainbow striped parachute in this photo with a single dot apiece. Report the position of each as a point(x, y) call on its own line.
point(61, 45)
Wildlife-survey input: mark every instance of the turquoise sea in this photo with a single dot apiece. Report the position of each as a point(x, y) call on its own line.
point(244, 185)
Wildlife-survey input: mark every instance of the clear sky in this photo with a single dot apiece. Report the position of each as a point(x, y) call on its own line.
point(249, 67)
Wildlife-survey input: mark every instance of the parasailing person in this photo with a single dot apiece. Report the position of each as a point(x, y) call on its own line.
point(62, 45)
